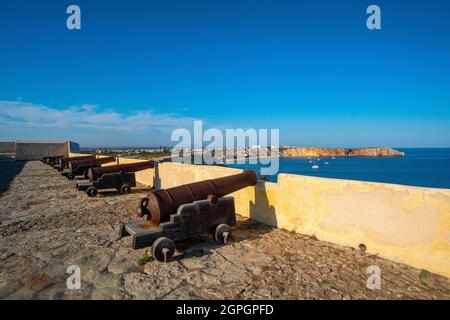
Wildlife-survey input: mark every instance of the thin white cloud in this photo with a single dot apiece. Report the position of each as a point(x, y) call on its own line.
point(19, 113)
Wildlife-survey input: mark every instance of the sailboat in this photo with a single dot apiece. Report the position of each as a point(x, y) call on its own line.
point(315, 166)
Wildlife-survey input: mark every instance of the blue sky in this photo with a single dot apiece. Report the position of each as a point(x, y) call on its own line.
point(138, 69)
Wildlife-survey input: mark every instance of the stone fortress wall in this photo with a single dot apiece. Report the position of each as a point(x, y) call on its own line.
point(405, 224)
point(36, 150)
point(7, 147)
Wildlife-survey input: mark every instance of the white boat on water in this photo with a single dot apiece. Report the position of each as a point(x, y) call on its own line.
point(327, 162)
point(315, 166)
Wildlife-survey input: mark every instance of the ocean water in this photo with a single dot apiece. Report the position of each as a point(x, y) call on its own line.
point(425, 167)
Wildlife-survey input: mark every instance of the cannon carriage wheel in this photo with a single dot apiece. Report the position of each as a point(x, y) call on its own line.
point(222, 233)
point(71, 176)
point(125, 189)
point(163, 249)
point(91, 192)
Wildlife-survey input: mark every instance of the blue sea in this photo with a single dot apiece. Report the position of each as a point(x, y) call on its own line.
point(424, 167)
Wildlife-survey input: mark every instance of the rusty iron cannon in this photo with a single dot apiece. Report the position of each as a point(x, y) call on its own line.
point(51, 160)
point(89, 162)
point(47, 159)
point(63, 163)
point(121, 177)
point(80, 167)
point(160, 204)
point(95, 173)
point(185, 211)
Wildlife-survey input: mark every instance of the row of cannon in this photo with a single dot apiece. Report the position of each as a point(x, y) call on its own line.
point(165, 215)
point(89, 167)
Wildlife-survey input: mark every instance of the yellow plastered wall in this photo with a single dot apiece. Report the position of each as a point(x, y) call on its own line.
point(405, 224)
point(71, 154)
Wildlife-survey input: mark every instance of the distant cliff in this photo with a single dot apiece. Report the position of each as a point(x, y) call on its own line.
point(339, 152)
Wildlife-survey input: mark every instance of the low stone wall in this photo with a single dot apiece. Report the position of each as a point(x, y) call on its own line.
point(404, 224)
point(7, 147)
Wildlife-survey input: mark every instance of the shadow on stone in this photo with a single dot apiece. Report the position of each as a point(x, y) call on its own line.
point(261, 210)
point(195, 247)
point(245, 230)
point(156, 178)
point(114, 193)
point(8, 170)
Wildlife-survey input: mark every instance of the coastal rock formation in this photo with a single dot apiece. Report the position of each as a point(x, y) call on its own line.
point(339, 152)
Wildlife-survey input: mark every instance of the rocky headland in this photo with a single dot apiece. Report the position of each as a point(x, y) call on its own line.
point(339, 152)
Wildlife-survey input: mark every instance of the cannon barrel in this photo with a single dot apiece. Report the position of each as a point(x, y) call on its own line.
point(90, 162)
point(160, 204)
point(65, 161)
point(96, 172)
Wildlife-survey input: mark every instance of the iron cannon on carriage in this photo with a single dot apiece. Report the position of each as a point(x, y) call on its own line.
point(121, 177)
point(51, 160)
point(182, 212)
point(80, 167)
point(63, 162)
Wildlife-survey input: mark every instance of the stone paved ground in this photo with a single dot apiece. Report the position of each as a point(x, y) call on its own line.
point(46, 225)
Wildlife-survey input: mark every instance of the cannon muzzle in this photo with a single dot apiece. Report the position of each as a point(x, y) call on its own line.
point(95, 173)
point(160, 204)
